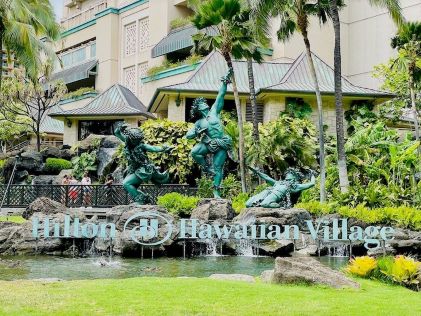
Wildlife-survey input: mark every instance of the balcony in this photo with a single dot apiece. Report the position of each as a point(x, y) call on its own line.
point(84, 15)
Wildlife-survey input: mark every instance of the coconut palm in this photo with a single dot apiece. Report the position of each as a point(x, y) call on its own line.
point(294, 16)
point(408, 41)
point(393, 6)
point(25, 28)
point(228, 19)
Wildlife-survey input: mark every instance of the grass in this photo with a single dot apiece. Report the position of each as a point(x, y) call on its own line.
point(12, 218)
point(201, 296)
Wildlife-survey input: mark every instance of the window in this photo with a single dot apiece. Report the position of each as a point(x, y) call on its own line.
point(73, 57)
point(96, 127)
point(249, 112)
point(130, 39)
point(93, 50)
point(143, 33)
point(129, 79)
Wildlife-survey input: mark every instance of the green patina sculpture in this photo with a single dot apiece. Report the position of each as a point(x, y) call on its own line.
point(213, 141)
point(140, 168)
point(279, 194)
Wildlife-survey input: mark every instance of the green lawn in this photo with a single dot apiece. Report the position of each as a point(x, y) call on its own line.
point(190, 296)
point(12, 218)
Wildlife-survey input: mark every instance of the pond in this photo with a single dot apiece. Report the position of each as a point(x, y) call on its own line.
point(39, 267)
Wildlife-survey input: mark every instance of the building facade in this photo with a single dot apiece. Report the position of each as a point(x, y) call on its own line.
point(108, 42)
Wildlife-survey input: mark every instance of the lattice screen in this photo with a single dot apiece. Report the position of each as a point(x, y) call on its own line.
point(130, 39)
point(142, 70)
point(143, 33)
point(130, 78)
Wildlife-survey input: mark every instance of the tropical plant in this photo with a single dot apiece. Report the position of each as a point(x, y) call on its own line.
point(294, 17)
point(179, 22)
point(178, 204)
point(178, 162)
point(362, 266)
point(394, 9)
point(232, 38)
point(230, 187)
point(84, 162)
point(26, 27)
point(26, 101)
point(408, 41)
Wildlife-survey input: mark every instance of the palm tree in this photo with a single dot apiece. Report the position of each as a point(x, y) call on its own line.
point(408, 41)
point(393, 6)
point(294, 17)
point(228, 20)
point(25, 28)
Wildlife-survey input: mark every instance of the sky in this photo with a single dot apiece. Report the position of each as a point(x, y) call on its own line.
point(58, 7)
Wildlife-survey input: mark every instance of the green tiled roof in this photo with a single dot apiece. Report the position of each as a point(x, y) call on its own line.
point(50, 125)
point(298, 79)
point(177, 39)
point(75, 73)
point(207, 76)
point(117, 100)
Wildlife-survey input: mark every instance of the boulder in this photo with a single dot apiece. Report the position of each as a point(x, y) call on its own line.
point(309, 250)
point(46, 207)
point(90, 142)
point(275, 248)
point(105, 157)
point(233, 277)
point(51, 152)
point(58, 178)
point(31, 161)
point(67, 154)
point(213, 209)
point(266, 276)
point(118, 175)
point(274, 216)
point(308, 270)
point(43, 180)
point(21, 175)
point(110, 141)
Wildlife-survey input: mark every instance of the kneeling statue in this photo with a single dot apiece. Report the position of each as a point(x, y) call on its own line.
point(140, 168)
point(279, 194)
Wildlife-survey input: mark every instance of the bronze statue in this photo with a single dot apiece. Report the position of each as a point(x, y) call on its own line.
point(140, 168)
point(279, 194)
point(213, 141)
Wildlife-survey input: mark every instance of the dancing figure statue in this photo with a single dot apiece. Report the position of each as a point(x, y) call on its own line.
point(140, 168)
point(214, 144)
point(278, 195)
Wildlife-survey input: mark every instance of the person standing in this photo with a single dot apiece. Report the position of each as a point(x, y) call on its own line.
point(87, 190)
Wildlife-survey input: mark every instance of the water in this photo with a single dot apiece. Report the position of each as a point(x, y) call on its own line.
point(38, 267)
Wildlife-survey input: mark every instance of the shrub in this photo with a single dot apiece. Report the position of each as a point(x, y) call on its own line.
point(402, 216)
point(405, 270)
point(55, 165)
point(2, 162)
point(230, 187)
point(178, 204)
point(239, 202)
point(362, 266)
point(166, 64)
point(179, 22)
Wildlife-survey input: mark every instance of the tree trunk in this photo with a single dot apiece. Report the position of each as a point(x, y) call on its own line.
point(38, 134)
point(340, 137)
point(1, 52)
point(414, 110)
point(253, 101)
point(320, 120)
point(228, 60)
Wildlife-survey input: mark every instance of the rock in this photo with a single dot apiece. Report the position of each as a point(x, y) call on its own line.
point(67, 154)
point(105, 157)
point(58, 178)
point(118, 175)
point(51, 152)
point(90, 142)
point(48, 207)
point(275, 248)
point(310, 250)
point(213, 209)
point(233, 277)
point(110, 141)
point(43, 180)
point(308, 270)
point(21, 175)
point(266, 276)
point(274, 216)
point(31, 161)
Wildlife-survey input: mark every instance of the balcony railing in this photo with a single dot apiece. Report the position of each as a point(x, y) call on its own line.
point(81, 195)
point(84, 15)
